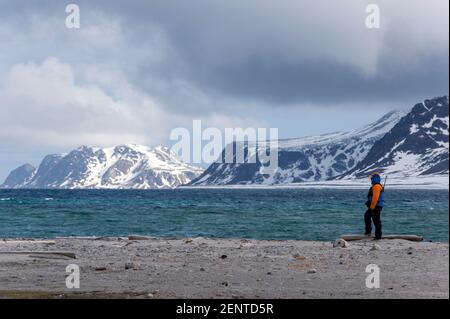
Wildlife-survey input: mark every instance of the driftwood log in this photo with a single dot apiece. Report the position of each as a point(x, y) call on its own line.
point(14, 241)
point(362, 237)
point(41, 254)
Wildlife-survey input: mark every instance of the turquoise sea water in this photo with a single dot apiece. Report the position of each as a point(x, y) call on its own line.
point(308, 214)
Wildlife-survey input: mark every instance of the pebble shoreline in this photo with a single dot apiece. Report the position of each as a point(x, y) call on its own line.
point(140, 267)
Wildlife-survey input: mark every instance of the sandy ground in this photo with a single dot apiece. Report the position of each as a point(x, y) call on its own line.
point(223, 268)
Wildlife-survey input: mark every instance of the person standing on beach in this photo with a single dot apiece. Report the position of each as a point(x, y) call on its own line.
point(375, 200)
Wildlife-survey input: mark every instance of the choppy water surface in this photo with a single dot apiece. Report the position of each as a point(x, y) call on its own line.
point(308, 214)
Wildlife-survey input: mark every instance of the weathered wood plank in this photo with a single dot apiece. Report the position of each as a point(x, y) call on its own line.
point(41, 253)
point(362, 237)
point(47, 242)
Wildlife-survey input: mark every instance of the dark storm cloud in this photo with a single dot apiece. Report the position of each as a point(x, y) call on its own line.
point(288, 52)
point(295, 52)
point(326, 82)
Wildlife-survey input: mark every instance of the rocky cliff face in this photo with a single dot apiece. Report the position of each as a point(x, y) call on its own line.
point(417, 145)
point(20, 176)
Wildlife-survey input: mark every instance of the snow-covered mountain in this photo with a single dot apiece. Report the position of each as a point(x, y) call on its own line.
point(417, 145)
point(401, 145)
point(313, 158)
point(123, 166)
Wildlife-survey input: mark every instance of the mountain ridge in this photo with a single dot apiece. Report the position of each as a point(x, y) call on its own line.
point(122, 166)
point(353, 154)
point(306, 159)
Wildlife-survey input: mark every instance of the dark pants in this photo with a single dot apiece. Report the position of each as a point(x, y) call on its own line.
point(375, 216)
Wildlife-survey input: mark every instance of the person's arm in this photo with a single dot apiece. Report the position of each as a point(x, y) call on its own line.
point(376, 189)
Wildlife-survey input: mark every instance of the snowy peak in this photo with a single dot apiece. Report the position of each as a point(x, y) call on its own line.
point(429, 120)
point(417, 145)
point(122, 166)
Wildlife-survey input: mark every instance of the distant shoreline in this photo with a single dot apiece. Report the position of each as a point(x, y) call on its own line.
point(305, 185)
point(439, 182)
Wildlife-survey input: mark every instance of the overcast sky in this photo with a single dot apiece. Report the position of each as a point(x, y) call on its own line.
point(137, 69)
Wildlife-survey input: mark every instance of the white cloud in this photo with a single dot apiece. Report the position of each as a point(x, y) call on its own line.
point(44, 104)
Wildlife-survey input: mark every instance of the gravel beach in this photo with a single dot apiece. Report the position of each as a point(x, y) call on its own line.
point(138, 267)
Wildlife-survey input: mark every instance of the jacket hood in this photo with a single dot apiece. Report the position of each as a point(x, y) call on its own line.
point(376, 179)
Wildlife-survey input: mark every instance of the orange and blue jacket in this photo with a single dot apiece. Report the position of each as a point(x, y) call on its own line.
point(376, 196)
